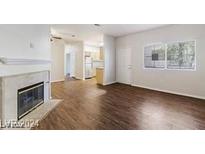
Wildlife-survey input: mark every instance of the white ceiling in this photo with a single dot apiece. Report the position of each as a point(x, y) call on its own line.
point(93, 35)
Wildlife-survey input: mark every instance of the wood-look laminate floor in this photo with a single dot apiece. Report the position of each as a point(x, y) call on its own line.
point(87, 105)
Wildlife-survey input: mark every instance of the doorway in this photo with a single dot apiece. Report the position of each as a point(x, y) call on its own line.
point(69, 65)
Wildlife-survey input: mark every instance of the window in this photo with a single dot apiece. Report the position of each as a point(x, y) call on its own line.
point(154, 56)
point(181, 55)
point(178, 55)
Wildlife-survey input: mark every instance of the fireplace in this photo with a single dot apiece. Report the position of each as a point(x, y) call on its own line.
point(29, 98)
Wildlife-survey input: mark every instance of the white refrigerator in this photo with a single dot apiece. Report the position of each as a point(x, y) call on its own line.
point(88, 67)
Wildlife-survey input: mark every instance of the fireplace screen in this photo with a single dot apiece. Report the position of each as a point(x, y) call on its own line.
point(29, 98)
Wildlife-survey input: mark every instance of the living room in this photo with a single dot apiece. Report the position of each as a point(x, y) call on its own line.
point(102, 77)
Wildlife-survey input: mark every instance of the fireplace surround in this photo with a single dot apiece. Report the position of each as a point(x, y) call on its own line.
point(13, 85)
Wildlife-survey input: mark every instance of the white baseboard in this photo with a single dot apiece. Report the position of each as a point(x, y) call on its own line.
point(168, 91)
point(105, 84)
point(58, 80)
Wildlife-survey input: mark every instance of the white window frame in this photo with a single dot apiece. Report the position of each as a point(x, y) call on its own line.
point(169, 69)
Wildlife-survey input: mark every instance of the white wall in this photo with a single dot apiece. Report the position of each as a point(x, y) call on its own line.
point(15, 43)
point(182, 82)
point(57, 57)
point(67, 51)
point(72, 62)
point(109, 60)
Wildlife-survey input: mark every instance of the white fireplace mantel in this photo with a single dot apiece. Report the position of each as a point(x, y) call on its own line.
point(17, 61)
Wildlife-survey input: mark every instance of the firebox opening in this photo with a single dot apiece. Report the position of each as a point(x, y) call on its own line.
point(29, 98)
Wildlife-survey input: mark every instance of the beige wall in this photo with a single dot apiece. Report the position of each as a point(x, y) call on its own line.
point(57, 57)
point(181, 82)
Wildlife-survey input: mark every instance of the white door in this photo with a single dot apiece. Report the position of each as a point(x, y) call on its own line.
point(124, 66)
